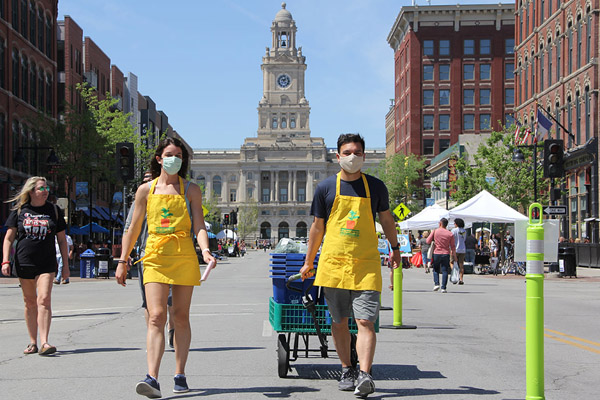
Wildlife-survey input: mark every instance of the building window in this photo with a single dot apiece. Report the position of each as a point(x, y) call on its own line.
point(509, 46)
point(444, 70)
point(232, 178)
point(48, 38)
point(526, 86)
point(428, 122)
point(250, 193)
point(444, 47)
point(549, 65)
point(541, 71)
point(32, 22)
point(444, 122)
point(509, 71)
point(542, 6)
point(444, 144)
point(579, 41)
point(468, 122)
point(265, 230)
point(317, 175)
point(570, 51)
point(15, 14)
point(283, 123)
point(274, 123)
point(484, 96)
point(428, 47)
point(558, 51)
point(232, 195)
point(588, 43)
point(509, 96)
point(468, 72)
point(216, 185)
point(469, 47)
point(484, 122)
point(23, 18)
point(428, 146)
point(32, 85)
point(468, 97)
point(266, 194)
point(485, 46)
point(201, 181)
point(588, 117)
point(301, 196)
point(24, 79)
point(427, 97)
point(283, 194)
point(2, 65)
point(509, 120)
point(578, 118)
point(283, 230)
point(485, 72)
point(444, 97)
point(3, 135)
point(15, 72)
point(293, 122)
point(301, 230)
point(427, 72)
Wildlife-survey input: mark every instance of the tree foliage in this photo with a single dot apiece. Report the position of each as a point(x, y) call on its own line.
point(493, 169)
point(248, 218)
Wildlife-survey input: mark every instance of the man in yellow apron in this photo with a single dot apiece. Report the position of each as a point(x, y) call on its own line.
point(349, 269)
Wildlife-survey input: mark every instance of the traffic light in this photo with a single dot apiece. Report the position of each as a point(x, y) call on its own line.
point(553, 159)
point(125, 161)
point(226, 219)
point(233, 217)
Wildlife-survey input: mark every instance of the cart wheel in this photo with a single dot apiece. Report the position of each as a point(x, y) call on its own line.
point(353, 353)
point(283, 356)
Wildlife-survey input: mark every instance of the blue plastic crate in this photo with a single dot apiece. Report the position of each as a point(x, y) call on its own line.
point(283, 295)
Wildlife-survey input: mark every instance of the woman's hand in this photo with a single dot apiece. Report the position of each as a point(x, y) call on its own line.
point(121, 273)
point(208, 257)
point(6, 269)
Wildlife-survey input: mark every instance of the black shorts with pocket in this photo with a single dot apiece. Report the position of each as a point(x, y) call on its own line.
point(33, 271)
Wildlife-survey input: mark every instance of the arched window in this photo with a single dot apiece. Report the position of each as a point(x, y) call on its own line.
point(283, 230)
point(201, 181)
point(301, 230)
point(283, 123)
point(32, 22)
point(15, 73)
point(588, 111)
point(217, 185)
point(577, 117)
point(293, 122)
point(24, 78)
point(48, 37)
point(265, 230)
point(32, 84)
point(2, 65)
point(274, 123)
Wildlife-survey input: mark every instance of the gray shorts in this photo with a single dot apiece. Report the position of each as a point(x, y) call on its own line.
point(342, 303)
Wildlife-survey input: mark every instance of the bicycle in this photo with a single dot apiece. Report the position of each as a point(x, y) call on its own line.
point(509, 266)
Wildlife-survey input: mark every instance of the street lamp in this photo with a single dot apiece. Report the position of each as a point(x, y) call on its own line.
point(519, 157)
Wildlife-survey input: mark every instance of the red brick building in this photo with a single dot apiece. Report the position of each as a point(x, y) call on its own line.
point(96, 66)
point(70, 63)
point(453, 74)
point(557, 69)
point(28, 75)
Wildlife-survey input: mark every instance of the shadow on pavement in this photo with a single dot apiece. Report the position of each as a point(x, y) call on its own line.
point(462, 392)
point(96, 350)
point(84, 315)
point(272, 392)
point(210, 349)
point(381, 372)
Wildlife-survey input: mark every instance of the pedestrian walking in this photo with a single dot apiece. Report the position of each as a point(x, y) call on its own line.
point(34, 223)
point(444, 246)
point(470, 246)
point(422, 243)
point(61, 262)
point(460, 235)
point(173, 208)
point(349, 270)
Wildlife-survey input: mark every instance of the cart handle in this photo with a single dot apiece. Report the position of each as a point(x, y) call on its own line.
point(293, 278)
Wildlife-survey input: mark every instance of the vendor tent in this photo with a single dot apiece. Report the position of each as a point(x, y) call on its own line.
point(484, 207)
point(226, 233)
point(429, 218)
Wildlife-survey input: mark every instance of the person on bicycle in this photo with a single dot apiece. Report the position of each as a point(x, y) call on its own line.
point(349, 270)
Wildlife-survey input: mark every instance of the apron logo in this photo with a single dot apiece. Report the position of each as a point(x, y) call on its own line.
point(165, 222)
point(350, 224)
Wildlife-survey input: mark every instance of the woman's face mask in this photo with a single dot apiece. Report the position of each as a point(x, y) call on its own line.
point(351, 163)
point(171, 165)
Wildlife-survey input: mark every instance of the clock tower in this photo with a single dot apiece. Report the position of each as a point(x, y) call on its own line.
point(283, 111)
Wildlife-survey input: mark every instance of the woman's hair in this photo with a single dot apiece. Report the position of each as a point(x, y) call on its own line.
point(155, 166)
point(22, 197)
point(459, 222)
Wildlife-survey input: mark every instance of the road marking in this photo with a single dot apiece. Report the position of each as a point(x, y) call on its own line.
point(267, 330)
point(581, 346)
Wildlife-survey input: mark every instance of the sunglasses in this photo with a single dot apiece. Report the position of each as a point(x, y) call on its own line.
point(43, 188)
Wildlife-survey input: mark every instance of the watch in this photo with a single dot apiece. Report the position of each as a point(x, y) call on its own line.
point(284, 80)
point(396, 247)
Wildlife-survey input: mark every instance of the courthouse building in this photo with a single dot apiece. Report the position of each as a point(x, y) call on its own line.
point(279, 168)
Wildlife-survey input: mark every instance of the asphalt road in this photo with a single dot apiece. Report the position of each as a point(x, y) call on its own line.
point(469, 343)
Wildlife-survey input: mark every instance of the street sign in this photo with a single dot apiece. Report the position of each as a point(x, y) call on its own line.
point(204, 211)
point(401, 211)
point(555, 210)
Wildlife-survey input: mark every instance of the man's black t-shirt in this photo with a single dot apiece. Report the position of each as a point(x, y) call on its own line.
point(325, 195)
point(36, 229)
point(470, 242)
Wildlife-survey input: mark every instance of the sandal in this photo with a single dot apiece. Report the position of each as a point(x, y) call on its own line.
point(31, 349)
point(47, 350)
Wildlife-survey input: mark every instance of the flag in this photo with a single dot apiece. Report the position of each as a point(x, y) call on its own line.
point(542, 128)
point(517, 131)
point(526, 135)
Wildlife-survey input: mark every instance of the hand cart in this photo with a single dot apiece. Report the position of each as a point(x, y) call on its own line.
point(303, 321)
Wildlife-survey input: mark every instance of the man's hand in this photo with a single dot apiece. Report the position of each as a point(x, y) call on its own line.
point(307, 271)
point(395, 262)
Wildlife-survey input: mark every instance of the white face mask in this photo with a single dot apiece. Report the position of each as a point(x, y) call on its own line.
point(351, 163)
point(172, 165)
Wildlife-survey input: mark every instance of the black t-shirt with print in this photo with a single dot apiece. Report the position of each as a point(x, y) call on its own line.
point(36, 229)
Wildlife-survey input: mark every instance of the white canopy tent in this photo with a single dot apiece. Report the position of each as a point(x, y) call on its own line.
point(484, 207)
point(226, 233)
point(429, 218)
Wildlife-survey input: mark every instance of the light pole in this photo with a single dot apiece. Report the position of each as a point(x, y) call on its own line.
point(519, 157)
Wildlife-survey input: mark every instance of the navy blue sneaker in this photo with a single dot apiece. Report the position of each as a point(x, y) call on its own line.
point(180, 384)
point(149, 387)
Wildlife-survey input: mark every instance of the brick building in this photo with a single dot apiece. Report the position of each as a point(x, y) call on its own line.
point(28, 72)
point(557, 69)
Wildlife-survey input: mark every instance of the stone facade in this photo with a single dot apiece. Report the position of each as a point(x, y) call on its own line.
point(280, 167)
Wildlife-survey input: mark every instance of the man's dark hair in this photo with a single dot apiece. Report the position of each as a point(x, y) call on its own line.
point(459, 222)
point(350, 138)
point(444, 222)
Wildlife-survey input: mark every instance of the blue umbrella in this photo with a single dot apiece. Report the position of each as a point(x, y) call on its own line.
point(95, 229)
point(211, 235)
point(75, 230)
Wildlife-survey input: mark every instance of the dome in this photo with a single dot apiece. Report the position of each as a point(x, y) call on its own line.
point(283, 15)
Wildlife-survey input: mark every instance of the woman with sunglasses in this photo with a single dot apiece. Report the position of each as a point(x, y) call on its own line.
point(34, 223)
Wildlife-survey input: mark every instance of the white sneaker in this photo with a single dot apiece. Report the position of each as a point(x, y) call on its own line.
point(436, 288)
point(444, 291)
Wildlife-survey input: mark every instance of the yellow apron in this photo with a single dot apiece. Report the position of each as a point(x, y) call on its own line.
point(170, 255)
point(349, 257)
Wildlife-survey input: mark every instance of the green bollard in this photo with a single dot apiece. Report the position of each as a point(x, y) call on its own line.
point(534, 305)
point(397, 313)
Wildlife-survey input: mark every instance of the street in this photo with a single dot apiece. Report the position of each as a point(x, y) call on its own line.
point(469, 343)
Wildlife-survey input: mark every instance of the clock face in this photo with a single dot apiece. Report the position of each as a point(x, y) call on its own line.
point(284, 81)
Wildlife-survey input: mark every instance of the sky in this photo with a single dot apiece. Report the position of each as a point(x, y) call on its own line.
point(200, 60)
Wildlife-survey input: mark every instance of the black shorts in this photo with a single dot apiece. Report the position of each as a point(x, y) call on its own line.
point(33, 271)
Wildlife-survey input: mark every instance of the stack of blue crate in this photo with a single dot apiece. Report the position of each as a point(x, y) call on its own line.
point(284, 265)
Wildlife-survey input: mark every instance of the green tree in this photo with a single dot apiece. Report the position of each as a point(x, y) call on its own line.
point(493, 169)
point(248, 219)
point(210, 202)
point(402, 174)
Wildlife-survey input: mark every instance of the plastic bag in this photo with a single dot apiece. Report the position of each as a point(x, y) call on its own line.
point(455, 274)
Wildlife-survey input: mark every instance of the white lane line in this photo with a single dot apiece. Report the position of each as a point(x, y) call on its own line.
point(267, 330)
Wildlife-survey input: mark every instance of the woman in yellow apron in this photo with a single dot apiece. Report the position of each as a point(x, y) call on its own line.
point(170, 257)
